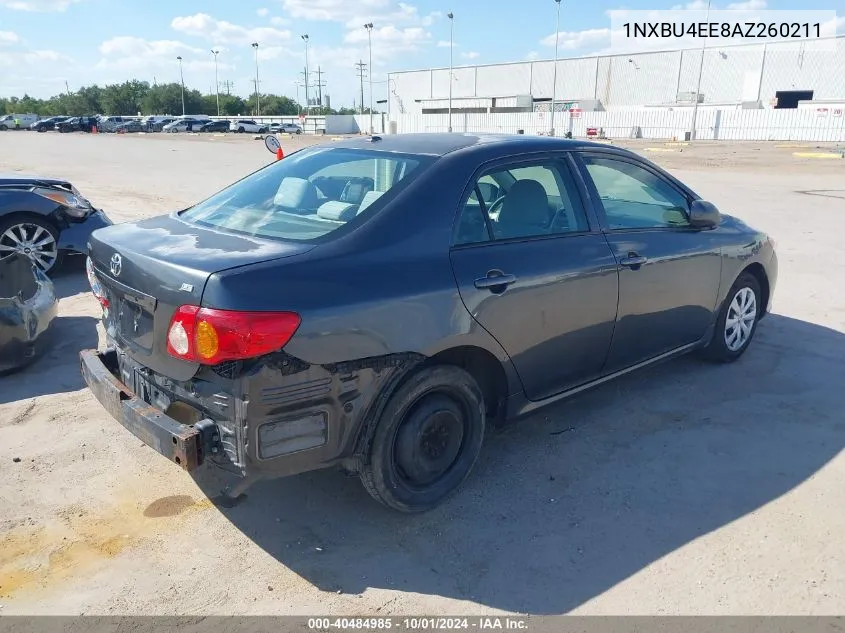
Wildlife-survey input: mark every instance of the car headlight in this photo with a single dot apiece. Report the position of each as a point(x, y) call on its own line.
point(77, 206)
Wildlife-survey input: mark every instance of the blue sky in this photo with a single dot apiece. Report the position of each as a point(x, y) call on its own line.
point(45, 43)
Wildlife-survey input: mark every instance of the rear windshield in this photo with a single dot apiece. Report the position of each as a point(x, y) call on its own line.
point(309, 194)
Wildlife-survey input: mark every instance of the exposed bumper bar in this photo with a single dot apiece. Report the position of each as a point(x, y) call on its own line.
point(178, 442)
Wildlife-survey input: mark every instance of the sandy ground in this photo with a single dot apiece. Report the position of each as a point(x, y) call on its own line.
point(686, 489)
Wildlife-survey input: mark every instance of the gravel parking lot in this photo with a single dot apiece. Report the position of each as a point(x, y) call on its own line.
point(685, 489)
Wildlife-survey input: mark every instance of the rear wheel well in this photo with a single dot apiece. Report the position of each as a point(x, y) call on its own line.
point(759, 274)
point(485, 369)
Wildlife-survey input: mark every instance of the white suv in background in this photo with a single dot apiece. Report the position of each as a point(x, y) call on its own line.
point(247, 125)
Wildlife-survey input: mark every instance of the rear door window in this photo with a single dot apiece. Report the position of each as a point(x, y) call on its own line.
point(309, 194)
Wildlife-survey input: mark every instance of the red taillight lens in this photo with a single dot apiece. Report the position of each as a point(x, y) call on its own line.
point(96, 288)
point(208, 336)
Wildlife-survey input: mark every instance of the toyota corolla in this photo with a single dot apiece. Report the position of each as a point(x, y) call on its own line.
point(376, 304)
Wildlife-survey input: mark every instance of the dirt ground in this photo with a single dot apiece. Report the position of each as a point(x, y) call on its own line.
point(685, 489)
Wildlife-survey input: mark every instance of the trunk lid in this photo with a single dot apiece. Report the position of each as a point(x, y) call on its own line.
point(150, 268)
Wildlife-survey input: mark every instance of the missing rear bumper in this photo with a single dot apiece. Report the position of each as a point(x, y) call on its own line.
point(186, 445)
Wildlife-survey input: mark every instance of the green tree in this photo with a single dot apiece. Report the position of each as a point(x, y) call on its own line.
point(124, 99)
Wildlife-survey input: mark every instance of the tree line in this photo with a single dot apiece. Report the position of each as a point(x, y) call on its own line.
point(132, 97)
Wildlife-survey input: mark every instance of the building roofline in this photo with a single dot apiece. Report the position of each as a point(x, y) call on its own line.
point(609, 55)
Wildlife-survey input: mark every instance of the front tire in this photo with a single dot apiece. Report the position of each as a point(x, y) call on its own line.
point(427, 440)
point(31, 236)
point(241, 130)
point(737, 321)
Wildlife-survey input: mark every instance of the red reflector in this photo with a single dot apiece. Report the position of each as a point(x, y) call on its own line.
point(209, 336)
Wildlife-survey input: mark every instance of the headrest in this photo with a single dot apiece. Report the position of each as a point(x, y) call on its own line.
point(336, 210)
point(296, 193)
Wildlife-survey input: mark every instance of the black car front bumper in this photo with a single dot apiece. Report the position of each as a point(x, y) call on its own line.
point(75, 236)
point(186, 445)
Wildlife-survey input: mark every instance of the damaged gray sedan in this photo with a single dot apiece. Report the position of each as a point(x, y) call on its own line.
point(376, 304)
point(28, 305)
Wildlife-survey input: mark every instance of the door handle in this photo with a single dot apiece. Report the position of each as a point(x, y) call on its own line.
point(633, 261)
point(494, 281)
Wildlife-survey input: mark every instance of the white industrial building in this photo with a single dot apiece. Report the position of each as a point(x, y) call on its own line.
point(732, 77)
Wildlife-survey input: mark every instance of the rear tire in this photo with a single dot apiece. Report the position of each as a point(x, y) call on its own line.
point(241, 130)
point(427, 440)
point(737, 321)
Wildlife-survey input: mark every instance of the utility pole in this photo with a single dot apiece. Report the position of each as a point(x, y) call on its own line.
point(554, 80)
point(319, 87)
point(451, 17)
point(369, 27)
point(67, 88)
point(305, 39)
point(257, 97)
point(182, 78)
point(362, 70)
point(216, 83)
point(228, 85)
point(698, 83)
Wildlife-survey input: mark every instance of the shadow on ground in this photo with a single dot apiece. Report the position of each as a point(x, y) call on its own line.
point(570, 502)
point(57, 369)
point(71, 279)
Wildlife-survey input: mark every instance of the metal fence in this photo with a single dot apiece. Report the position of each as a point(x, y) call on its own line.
point(820, 124)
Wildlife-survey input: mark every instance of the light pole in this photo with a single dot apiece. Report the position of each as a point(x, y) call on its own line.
point(257, 96)
point(698, 84)
point(451, 17)
point(216, 83)
point(182, 79)
point(554, 74)
point(369, 27)
point(306, 39)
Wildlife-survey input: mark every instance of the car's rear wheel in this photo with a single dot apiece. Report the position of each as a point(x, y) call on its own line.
point(737, 321)
point(241, 130)
point(32, 237)
point(427, 440)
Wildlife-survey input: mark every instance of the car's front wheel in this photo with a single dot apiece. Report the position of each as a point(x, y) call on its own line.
point(737, 321)
point(33, 237)
point(427, 440)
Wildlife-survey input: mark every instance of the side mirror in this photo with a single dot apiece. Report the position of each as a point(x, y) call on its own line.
point(704, 215)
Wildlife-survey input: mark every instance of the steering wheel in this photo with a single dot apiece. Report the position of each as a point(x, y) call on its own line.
point(496, 203)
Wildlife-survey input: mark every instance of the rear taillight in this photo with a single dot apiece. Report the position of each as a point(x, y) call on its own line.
point(96, 287)
point(208, 336)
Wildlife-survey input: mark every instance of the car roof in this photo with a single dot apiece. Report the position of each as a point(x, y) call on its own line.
point(440, 144)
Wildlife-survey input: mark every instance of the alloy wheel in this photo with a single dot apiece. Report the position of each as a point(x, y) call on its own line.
point(31, 240)
point(740, 319)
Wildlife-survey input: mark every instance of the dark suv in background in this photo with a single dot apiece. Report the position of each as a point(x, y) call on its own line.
point(77, 124)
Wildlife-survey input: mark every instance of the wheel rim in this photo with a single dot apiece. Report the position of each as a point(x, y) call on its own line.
point(429, 441)
point(739, 322)
point(31, 240)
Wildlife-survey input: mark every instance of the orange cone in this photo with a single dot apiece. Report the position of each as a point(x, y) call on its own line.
point(280, 154)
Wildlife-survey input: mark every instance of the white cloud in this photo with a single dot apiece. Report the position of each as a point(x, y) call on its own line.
point(390, 36)
point(277, 21)
point(134, 53)
point(262, 13)
point(576, 40)
point(331, 10)
point(7, 38)
point(446, 44)
point(10, 60)
point(471, 55)
point(40, 6)
point(532, 56)
point(214, 30)
point(749, 5)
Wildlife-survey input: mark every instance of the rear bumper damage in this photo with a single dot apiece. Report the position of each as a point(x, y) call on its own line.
point(28, 306)
point(185, 445)
point(278, 418)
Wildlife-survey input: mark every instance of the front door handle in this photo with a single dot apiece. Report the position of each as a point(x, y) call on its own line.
point(495, 281)
point(633, 261)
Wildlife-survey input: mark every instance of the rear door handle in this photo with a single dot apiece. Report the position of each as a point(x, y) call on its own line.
point(494, 281)
point(633, 260)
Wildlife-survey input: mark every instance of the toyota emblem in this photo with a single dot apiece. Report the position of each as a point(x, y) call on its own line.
point(116, 264)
